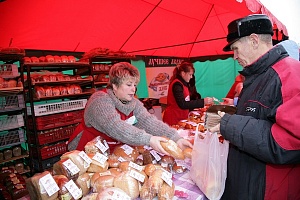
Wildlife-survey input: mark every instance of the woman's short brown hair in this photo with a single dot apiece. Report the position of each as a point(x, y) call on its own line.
point(121, 72)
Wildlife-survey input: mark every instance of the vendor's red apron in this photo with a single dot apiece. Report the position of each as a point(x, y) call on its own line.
point(173, 114)
point(89, 133)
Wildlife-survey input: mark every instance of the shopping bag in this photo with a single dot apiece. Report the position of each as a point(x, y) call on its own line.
point(209, 164)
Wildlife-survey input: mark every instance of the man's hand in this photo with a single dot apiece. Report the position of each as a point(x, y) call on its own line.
point(216, 129)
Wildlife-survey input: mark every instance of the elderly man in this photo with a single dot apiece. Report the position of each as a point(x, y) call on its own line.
point(264, 134)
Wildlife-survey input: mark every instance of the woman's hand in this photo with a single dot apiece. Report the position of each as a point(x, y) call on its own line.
point(155, 144)
point(183, 143)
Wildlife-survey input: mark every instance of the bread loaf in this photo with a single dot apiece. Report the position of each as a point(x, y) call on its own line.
point(173, 149)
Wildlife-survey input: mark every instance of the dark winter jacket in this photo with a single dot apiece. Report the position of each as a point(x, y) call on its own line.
point(264, 134)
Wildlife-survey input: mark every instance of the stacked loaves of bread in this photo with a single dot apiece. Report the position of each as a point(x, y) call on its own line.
point(50, 58)
point(98, 173)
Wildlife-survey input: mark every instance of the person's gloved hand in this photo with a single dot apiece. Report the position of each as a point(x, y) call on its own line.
point(216, 128)
point(183, 143)
point(155, 144)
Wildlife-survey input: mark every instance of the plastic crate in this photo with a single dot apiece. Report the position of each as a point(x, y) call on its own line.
point(60, 107)
point(44, 164)
point(52, 135)
point(9, 70)
point(10, 103)
point(49, 151)
point(10, 138)
point(11, 122)
point(57, 120)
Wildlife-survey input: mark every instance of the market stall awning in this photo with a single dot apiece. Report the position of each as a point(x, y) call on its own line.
point(189, 28)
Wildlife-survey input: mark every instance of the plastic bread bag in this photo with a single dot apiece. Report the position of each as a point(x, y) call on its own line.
point(209, 164)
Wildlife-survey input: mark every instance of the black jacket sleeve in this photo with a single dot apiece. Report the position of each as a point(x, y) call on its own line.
point(179, 97)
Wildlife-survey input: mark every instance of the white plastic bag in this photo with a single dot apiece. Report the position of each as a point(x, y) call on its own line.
point(209, 164)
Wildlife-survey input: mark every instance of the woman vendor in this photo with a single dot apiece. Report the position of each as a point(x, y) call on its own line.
point(117, 116)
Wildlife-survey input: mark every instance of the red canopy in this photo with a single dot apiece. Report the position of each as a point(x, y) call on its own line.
point(189, 28)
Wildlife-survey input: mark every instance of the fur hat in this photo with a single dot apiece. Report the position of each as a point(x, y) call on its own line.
point(257, 23)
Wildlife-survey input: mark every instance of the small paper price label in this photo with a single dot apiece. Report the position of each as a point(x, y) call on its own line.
point(100, 158)
point(138, 176)
point(167, 178)
point(71, 166)
point(127, 149)
point(73, 189)
point(49, 184)
point(121, 159)
point(101, 146)
point(155, 155)
point(135, 166)
point(85, 157)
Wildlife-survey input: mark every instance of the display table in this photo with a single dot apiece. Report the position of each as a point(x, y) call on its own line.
point(186, 188)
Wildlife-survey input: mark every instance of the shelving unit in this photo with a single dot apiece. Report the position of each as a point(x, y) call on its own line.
point(53, 116)
point(13, 140)
point(99, 69)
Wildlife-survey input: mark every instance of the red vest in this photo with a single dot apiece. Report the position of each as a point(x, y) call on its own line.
point(89, 133)
point(173, 114)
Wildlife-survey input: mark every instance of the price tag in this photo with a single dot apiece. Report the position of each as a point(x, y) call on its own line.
point(105, 144)
point(71, 166)
point(155, 155)
point(135, 166)
point(121, 159)
point(167, 178)
point(127, 149)
point(138, 176)
point(101, 146)
point(100, 158)
point(73, 189)
point(48, 183)
point(85, 157)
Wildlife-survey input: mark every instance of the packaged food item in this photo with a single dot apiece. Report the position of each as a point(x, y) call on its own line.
point(7, 154)
point(1, 156)
point(17, 151)
point(19, 167)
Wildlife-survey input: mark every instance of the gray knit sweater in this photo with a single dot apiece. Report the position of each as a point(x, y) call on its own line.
point(100, 113)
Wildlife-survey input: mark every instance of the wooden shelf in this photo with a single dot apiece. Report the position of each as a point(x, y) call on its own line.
point(14, 158)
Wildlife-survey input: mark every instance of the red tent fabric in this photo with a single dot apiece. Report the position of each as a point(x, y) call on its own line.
point(189, 28)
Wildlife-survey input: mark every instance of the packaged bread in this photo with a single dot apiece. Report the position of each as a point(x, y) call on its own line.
point(103, 182)
point(97, 145)
point(36, 189)
point(99, 163)
point(84, 182)
point(110, 193)
point(155, 180)
point(63, 192)
point(146, 193)
point(126, 152)
point(173, 149)
point(166, 192)
point(77, 159)
point(128, 184)
point(67, 168)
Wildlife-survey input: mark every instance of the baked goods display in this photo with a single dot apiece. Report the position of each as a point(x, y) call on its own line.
point(96, 171)
point(50, 59)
